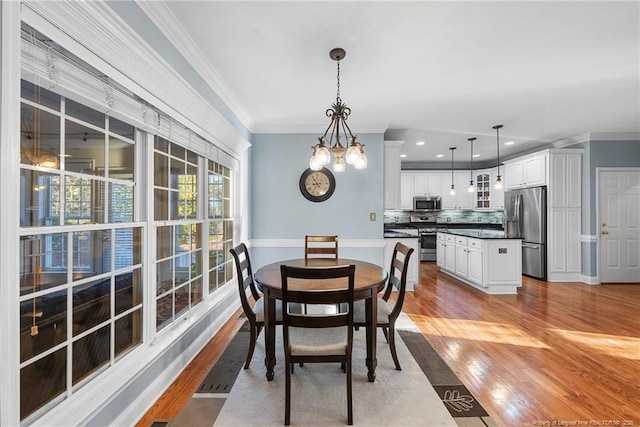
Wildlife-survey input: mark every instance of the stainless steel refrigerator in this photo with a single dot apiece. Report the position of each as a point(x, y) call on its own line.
point(526, 217)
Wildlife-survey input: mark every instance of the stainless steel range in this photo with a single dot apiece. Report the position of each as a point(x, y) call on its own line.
point(427, 227)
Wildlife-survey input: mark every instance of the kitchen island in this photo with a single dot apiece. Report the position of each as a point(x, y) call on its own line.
point(486, 260)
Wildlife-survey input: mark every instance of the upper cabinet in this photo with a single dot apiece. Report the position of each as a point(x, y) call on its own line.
point(392, 174)
point(428, 183)
point(407, 192)
point(528, 171)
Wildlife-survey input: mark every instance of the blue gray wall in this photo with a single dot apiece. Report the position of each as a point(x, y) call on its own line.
point(279, 211)
point(599, 154)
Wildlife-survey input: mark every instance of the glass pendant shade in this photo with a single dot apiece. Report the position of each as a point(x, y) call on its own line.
point(339, 165)
point(453, 190)
point(498, 184)
point(361, 163)
point(324, 157)
point(315, 163)
point(471, 188)
point(353, 154)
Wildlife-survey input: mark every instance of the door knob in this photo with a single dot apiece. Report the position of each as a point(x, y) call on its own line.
point(603, 224)
point(605, 232)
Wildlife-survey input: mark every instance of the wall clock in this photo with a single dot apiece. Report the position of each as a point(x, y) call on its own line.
point(317, 186)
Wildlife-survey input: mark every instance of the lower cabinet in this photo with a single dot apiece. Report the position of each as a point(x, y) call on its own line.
point(413, 274)
point(491, 265)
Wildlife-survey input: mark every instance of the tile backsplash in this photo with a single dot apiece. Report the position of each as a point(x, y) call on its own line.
point(448, 216)
point(467, 217)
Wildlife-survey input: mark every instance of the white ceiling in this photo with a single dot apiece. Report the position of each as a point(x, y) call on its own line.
point(432, 71)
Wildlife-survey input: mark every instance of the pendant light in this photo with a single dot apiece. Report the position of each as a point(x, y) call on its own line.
point(453, 187)
point(498, 184)
point(471, 188)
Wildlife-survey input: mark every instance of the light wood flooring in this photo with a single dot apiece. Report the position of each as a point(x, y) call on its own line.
point(556, 352)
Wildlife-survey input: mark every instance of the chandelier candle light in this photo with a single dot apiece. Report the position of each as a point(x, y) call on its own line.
point(498, 183)
point(471, 187)
point(339, 112)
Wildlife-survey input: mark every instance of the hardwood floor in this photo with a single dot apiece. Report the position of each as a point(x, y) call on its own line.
point(564, 352)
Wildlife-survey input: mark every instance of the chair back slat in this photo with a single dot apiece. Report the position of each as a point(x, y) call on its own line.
point(321, 245)
point(398, 276)
point(244, 277)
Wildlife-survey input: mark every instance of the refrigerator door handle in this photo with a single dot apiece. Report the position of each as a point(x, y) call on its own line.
point(530, 246)
point(518, 204)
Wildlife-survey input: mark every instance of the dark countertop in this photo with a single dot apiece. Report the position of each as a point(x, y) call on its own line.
point(397, 235)
point(479, 234)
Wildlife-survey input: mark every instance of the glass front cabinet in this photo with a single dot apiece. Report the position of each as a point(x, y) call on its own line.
point(483, 190)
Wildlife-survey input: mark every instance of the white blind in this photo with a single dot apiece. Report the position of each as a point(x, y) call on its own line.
point(46, 64)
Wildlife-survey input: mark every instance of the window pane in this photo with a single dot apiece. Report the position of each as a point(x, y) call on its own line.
point(182, 300)
point(196, 291)
point(161, 170)
point(121, 159)
point(121, 128)
point(42, 381)
point(39, 199)
point(164, 276)
point(121, 203)
point(164, 311)
point(39, 137)
point(161, 205)
point(127, 247)
point(177, 151)
point(161, 144)
point(196, 265)
point(91, 253)
point(182, 269)
point(128, 291)
point(90, 353)
point(84, 148)
point(43, 261)
point(91, 304)
point(177, 173)
point(83, 200)
point(84, 113)
point(128, 331)
point(44, 97)
point(43, 324)
point(192, 157)
point(164, 242)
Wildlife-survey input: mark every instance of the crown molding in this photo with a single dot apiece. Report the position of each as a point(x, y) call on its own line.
point(316, 128)
point(117, 50)
point(166, 22)
point(566, 142)
point(615, 136)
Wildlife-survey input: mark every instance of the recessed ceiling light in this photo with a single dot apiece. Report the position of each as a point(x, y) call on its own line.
point(440, 155)
point(420, 143)
point(476, 155)
point(403, 155)
point(509, 143)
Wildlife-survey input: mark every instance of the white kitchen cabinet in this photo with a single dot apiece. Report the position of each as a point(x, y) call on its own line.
point(413, 272)
point(463, 199)
point(483, 189)
point(427, 183)
point(461, 257)
point(564, 215)
point(406, 190)
point(474, 261)
point(440, 250)
point(493, 265)
point(450, 253)
point(392, 174)
point(528, 171)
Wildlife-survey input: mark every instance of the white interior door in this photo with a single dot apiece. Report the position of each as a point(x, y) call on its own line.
point(619, 214)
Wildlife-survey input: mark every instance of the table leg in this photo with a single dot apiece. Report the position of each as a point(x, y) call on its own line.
point(269, 333)
point(371, 310)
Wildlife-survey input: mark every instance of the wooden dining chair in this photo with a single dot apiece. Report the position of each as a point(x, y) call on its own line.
point(325, 246)
point(389, 310)
point(324, 338)
point(255, 312)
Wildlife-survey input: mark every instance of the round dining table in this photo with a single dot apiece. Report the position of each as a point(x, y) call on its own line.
point(369, 280)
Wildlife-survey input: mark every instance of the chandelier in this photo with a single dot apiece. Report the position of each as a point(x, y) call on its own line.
point(330, 143)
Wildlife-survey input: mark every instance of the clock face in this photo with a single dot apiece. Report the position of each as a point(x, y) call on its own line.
point(317, 186)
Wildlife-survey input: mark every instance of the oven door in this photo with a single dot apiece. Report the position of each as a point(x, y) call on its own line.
point(427, 246)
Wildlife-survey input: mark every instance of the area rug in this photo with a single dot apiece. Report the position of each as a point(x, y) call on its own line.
point(425, 393)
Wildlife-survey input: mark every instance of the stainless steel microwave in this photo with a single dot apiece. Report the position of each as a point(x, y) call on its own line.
point(427, 203)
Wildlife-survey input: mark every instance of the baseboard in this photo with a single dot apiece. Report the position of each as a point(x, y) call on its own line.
point(590, 280)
